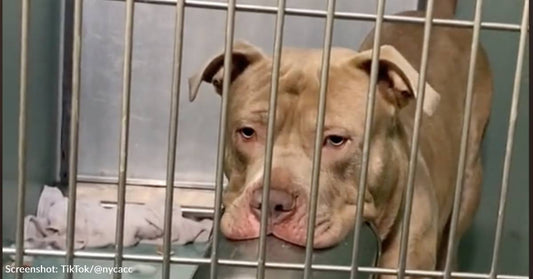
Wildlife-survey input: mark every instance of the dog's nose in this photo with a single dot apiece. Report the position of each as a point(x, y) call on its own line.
point(279, 204)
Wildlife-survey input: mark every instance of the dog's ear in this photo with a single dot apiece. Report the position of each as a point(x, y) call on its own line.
point(244, 54)
point(399, 76)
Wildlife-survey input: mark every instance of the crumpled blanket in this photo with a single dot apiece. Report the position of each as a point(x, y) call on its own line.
point(95, 224)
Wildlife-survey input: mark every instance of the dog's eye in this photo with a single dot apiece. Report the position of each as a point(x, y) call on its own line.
point(335, 140)
point(247, 133)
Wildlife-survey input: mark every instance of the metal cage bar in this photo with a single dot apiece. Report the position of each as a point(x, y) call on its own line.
point(252, 264)
point(510, 139)
point(22, 142)
point(228, 50)
point(65, 81)
point(124, 135)
point(450, 252)
point(413, 155)
point(208, 186)
point(172, 137)
point(317, 153)
point(74, 134)
point(276, 64)
point(338, 15)
point(369, 116)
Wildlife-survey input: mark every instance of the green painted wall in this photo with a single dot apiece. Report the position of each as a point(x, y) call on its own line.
point(476, 248)
point(42, 103)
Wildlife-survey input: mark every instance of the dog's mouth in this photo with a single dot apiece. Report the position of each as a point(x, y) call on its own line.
point(243, 223)
point(298, 236)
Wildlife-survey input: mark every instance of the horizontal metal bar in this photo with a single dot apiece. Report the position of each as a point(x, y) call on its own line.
point(193, 210)
point(251, 264)
point(208, 186)
point(197, 210)
point(184, 209)
point(338, 15)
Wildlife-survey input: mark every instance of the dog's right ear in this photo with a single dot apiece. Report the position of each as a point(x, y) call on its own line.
point(401, 78)
point(244, 54)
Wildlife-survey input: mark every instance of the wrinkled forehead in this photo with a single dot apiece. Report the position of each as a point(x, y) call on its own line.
point(299, 88)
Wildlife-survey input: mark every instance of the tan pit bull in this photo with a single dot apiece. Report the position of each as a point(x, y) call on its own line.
point(343, 138)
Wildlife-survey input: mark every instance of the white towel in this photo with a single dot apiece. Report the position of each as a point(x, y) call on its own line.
point(95, 224)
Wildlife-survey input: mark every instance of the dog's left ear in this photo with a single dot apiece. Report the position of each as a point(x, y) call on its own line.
point(243, 55)
point(400, 76)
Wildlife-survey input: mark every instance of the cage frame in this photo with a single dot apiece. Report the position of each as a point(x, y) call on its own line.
point(67, 169)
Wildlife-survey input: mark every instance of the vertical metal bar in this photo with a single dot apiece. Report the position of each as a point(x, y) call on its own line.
point(22, 141)
point(276, 64)
point(66, 49)
point(369, 115)
point(124, 134)
point(510, 139)
point(172, 136)
point(73, 148)
point(464, 141)
point(61, 70)
point(404, 237)
point(228, 53)
point(317, 154)
point(422, 5)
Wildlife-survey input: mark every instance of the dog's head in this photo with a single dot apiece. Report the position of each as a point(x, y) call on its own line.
point(294, 134)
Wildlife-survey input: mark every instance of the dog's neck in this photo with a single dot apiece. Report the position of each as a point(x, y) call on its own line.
point(388, 209)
